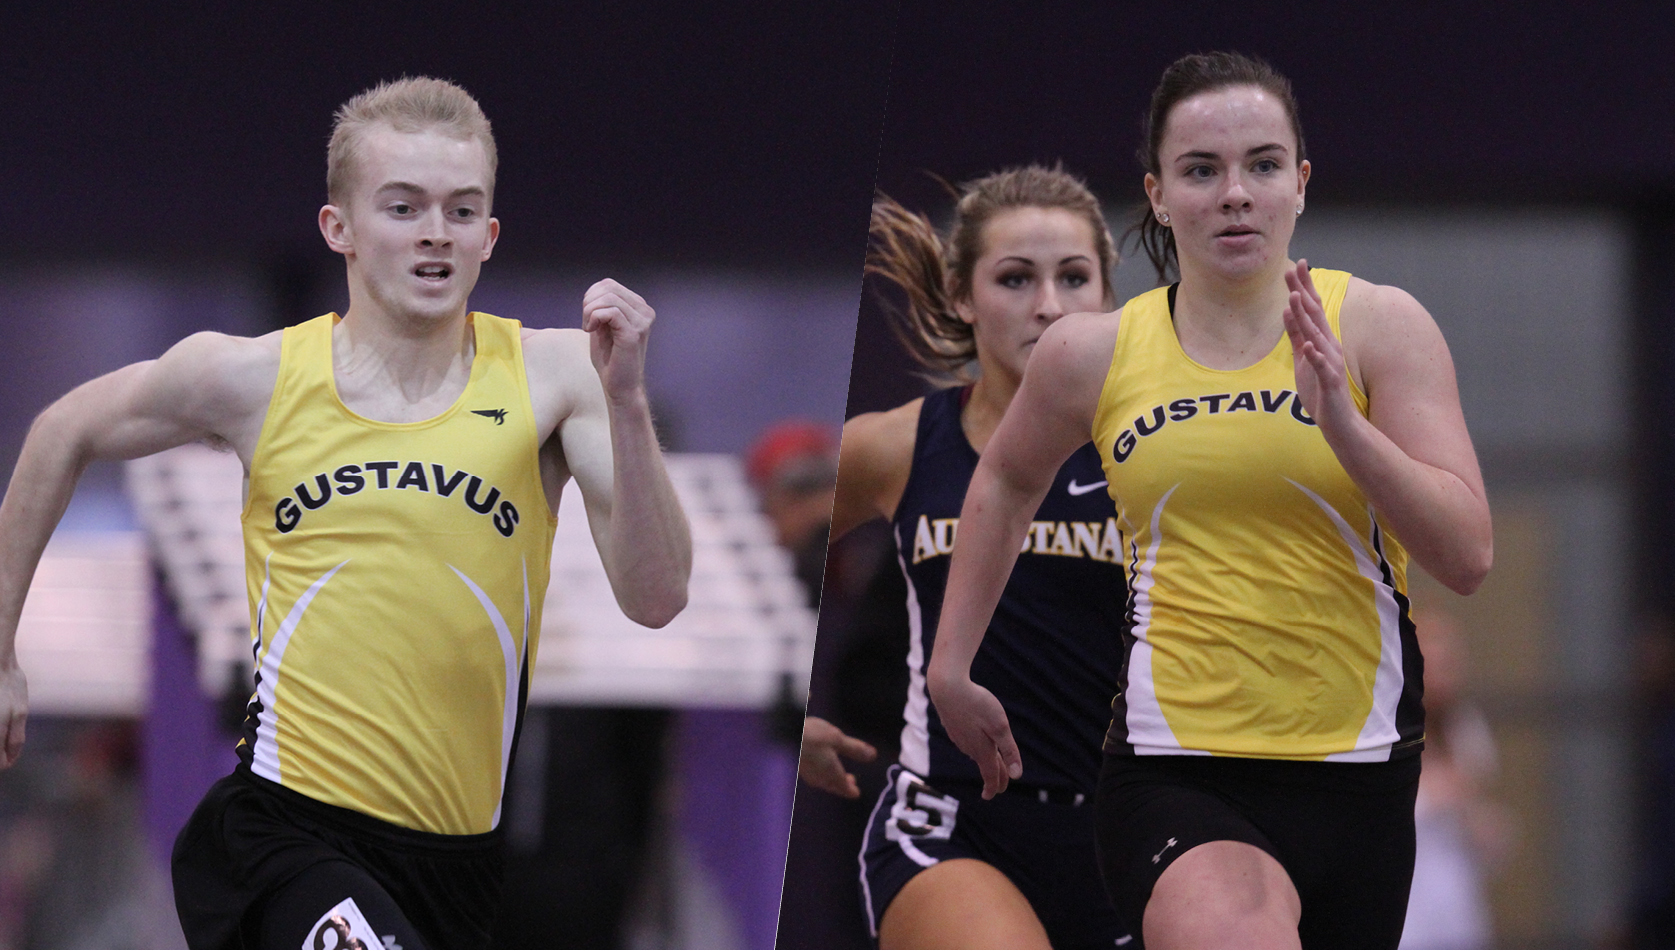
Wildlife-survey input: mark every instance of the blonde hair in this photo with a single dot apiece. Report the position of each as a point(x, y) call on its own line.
point(409, 104)
point(934, 272)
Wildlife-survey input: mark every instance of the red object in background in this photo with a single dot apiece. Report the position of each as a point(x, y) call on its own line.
point(783, 443)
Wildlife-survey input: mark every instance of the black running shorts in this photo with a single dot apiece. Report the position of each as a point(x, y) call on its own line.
point(260, 866)
point(1344, 832)
point(1043, 841)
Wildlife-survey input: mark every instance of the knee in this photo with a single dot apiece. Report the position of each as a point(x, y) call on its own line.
point(961, 903)
point(1223, 895)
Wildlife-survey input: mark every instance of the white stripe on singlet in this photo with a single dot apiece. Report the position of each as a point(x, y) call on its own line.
point(509, 651)
point(1379, 730)
point(264, 758)
point(1149, 732)
point(916, 721)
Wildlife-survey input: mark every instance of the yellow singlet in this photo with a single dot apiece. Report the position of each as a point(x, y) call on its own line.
point(396, 574)
point(1270, 612)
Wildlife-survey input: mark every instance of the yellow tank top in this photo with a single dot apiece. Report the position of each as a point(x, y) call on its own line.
point(396, 574)
point(1269, 614)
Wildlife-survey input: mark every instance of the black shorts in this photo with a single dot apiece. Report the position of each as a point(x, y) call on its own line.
point(1046, 848)
point(1344, 832)
point(261, 866)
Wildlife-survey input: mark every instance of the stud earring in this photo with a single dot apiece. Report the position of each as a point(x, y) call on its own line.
point(1299, 211)
point(1163, 217)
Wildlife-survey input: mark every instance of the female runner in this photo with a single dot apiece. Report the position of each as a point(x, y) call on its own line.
point(1277, 442)
point(942, 867)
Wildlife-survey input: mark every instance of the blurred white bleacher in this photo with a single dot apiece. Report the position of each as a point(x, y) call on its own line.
point(84, 638)
point(746, 627)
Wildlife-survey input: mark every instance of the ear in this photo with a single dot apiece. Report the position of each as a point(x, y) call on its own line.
point(1303, 179)
point(490, 237)
point(334, 227)
point(963, 310)
point(1154, 193)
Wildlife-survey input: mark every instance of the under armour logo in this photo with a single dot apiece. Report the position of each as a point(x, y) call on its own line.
point(498, 415)
point(1167, 847)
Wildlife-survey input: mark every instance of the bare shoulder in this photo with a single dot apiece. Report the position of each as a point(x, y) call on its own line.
point(1081, 339)
point(221, 378)
point(1068, 365)
point(560, 373)
point(1381, 306)
point(552, 355)
point(1386, 330)
point(875, 459)
point(209, 385)
point(553, 340)
point(218, 353)
point(882, 440)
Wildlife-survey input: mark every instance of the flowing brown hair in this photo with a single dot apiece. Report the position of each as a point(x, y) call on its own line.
point(934, 271)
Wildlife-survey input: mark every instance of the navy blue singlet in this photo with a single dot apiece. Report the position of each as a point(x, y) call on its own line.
point(1052, 651)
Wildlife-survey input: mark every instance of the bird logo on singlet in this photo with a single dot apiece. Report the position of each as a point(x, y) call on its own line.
point(498, 415)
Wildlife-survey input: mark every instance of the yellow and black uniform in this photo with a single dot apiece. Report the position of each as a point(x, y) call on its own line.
point(396, 574)
point(1270, 610)
point(1268, 624)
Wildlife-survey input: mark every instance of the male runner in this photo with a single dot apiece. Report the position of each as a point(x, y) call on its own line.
point(402, 465)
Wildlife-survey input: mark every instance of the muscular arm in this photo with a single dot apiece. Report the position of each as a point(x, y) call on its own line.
point(874, 461)
point(1411, 455)
point(206, 385)
point(608, 444)
point(1050, 417)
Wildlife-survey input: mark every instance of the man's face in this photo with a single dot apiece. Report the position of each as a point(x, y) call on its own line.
point(415, 227)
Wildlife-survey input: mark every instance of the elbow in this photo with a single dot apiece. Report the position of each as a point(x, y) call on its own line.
point(1467, 576)
point(61, 430)
point(657, 611)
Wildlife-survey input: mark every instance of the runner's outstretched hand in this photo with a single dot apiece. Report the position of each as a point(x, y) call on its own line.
point(819, 763)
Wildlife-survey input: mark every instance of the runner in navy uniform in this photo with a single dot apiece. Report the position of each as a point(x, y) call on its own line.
point(942, 866)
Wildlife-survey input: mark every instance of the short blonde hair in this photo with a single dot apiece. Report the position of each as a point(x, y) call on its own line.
point(409, 104)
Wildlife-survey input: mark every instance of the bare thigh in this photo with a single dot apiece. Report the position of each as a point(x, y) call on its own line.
point(961, 903)
point(1223, 894)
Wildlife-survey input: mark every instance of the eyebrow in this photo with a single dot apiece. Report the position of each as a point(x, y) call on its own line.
point(410, 187)
point(1032, 263)
point(1255, 150)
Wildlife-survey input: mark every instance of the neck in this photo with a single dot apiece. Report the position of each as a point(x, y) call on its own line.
point(414, 356)
point(1239, 314)
point(990, 398)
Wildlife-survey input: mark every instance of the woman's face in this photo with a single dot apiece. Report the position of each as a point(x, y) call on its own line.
point(1037, 265)
point(1230, 181)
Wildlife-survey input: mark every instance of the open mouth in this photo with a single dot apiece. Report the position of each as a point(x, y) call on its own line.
point(433, 272)
point(1237, 231)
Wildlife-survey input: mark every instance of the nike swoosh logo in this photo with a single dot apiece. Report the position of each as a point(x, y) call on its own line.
point(1075, 489)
